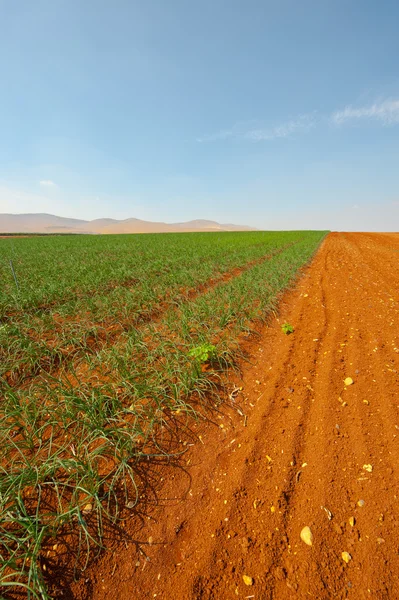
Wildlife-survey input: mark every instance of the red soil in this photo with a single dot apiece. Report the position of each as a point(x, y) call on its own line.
point(236, 503)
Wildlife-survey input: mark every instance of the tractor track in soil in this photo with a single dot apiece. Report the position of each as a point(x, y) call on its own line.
point(245, 491)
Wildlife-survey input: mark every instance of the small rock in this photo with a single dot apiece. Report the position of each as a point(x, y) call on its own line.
point(380, 541)
point(368, 468)
point(348, 381)
point(307, 536)
point(351, 521)
point(328, 512)
point(361, 503)
point(87, 509)
point(346, 557)
point(248, 580)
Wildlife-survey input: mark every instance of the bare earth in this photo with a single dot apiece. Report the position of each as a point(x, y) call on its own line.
point(298, 459)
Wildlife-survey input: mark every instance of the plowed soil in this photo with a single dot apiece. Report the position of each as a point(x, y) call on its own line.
point(308, 451)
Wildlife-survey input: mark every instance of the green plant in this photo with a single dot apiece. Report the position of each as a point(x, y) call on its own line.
point(287, 328)
point(203, 353)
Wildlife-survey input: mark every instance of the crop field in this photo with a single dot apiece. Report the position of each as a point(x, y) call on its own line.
point(102, 341)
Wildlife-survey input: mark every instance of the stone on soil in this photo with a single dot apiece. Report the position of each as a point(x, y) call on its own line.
point(307, 536)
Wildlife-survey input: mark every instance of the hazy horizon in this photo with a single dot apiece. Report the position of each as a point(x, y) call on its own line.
point(47, 223)
point(275, 116)
point(347, 228)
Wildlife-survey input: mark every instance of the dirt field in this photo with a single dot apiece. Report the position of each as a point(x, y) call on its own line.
point(308, 451)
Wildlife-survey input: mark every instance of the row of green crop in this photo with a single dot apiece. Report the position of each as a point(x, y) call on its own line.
point(70, 447)
point(47, 272)
point(34, 340)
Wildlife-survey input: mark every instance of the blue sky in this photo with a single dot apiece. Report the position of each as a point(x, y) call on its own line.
point(280, 114)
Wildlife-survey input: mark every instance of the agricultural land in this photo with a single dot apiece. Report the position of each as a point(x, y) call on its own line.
point(177, 409)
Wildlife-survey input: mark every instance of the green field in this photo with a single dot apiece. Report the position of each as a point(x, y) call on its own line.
point(102, 340)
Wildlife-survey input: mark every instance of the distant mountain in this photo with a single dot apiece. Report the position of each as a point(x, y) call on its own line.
point(44, 223)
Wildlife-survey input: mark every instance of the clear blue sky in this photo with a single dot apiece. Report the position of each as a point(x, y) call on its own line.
point(280, 114)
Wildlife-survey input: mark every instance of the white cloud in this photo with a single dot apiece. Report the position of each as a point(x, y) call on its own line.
point(383, 111)
point(386, 111)
point(245, 131)
point(301, 123)
point(47, 183)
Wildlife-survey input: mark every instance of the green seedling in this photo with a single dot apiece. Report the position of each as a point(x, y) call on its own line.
point(203, 353)
point(287, 328)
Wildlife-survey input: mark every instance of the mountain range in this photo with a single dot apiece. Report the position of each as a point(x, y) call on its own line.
point(44, 223)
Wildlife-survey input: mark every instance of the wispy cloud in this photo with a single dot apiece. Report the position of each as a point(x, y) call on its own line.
point(383, 111)
point(257, 132)
point(47, 183)
point(386, 111)
point(302, 123)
